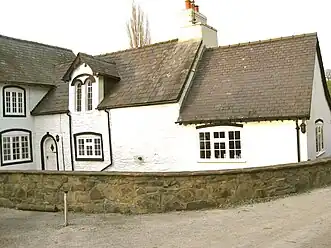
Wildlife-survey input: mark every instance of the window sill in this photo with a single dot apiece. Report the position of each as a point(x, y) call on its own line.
point(320, 153)
point(15, 162)
point(223, 161)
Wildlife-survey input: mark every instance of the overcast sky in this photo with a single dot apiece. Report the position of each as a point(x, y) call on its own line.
point(98, 26)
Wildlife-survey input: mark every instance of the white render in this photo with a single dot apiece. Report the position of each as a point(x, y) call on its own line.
point(319, 110)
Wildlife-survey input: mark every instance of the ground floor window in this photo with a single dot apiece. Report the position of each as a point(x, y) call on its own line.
point(88, 146)
point(16, 146)
point(220, 145)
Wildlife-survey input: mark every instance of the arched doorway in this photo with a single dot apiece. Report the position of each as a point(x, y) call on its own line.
point(49, 153)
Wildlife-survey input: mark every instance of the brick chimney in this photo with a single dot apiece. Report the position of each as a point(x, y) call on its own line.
point(193, 25)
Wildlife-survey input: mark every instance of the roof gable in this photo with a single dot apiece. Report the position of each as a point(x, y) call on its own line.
point(265, 80)
point(98, 66)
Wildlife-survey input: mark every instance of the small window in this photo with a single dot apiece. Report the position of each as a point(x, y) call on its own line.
point(16, 146)
point(319, 133)
point(89, 94)
point(220, 145)
point(89, 147)
point(14, 101)
point(79, 96)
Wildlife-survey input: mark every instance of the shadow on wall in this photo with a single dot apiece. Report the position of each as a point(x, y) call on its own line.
point(138, 193)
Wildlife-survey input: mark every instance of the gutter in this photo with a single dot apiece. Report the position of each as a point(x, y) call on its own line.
point(109, 137)
point(298, 140)
point(70, 139)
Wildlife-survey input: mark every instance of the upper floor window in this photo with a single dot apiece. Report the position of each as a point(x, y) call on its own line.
point(79, 96)
point(16, 146)
point(88, 146)
point(89, 94)
point(219, 144)
point(83, 95)
point(319, 133)
point(14, 102)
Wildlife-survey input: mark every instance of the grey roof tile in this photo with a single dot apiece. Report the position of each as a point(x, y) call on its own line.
point(29, 62)
point(260, 80)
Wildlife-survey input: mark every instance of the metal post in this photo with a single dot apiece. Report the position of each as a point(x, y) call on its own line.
point(65, 209)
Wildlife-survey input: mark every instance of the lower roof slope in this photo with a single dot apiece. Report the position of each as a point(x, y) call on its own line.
point(263, 80)
point(29, 62)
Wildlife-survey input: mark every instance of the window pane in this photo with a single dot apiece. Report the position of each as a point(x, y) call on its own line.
point(238, 145)
point(222, 145)
point(202, 154)
point(20, 102)
point(8, 102)
point(207, 136)
point(81, 147)
point(201, 136)
point(208, 154)
point(231, 153)
point(202, 145)
point(222, 135)
point(223, 152)
point(237, 135)
point(25, 146)
point(231, 145)
point(216, 145)
point(207, 144)
point(231, 135)
point(216, 135)
point(89, 151)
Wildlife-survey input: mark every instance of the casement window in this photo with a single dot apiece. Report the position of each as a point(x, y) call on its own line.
point(219, 144)
point(83, 95)
point(319, 135)
point(14, 102)
point(16, 146)
point(79, 96)
point(89, 94)
point(88, 147)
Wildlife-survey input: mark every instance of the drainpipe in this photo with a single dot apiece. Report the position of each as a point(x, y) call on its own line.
point(298, 140)
point(70, 139)
point(109, 137)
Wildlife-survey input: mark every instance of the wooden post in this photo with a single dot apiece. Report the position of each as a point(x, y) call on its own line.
point(65, 209)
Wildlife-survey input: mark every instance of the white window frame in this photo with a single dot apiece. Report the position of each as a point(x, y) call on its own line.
point(219, 144)
point(16, 147)
point(86, 143)
point(86, 101)
point(319, 137)
point(12, 105)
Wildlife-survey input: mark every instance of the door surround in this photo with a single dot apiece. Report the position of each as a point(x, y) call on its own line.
point(42, 151)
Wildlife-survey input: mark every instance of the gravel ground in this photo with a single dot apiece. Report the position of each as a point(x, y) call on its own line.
point(297, 221)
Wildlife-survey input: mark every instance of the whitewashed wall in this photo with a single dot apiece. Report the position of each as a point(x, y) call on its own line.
point(90, 121)
point(150, 132)
point(34, 94)
point(319, 110)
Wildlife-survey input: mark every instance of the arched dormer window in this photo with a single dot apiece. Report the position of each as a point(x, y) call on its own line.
point(14, 102)
point(78, 96)
point(89, 94)
point(319, 132)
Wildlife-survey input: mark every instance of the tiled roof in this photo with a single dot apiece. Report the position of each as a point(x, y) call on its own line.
point(29, 62)
point(56, 101)
point(150, 74)
point(269, 79)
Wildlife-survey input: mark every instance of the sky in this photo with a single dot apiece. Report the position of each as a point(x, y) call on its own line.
point(98, 26)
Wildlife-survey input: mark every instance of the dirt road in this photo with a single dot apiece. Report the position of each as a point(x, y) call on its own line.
point(298, 221)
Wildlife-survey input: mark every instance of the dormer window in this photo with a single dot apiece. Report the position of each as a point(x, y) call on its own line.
point(14, 102)
point(84, 94)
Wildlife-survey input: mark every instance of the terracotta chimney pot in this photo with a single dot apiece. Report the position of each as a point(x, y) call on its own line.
point(196, 8)
point(188, 4)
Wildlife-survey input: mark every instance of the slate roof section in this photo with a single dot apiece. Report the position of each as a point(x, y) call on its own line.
point(56, 101)
point(263, 80)
point(30, 62)
point(97, 65)
point(151, 74)
point(148, 75)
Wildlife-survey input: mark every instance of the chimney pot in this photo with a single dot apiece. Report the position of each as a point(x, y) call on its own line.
point(188, 4)
point(196, 8)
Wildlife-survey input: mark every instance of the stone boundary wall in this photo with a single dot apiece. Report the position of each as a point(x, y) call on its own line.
point(157, 192)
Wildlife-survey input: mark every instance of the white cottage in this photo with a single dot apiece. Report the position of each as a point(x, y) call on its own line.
point(180, 105)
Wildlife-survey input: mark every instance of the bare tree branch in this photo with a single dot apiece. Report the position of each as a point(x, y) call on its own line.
point(328, 74)
point(138, 27)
